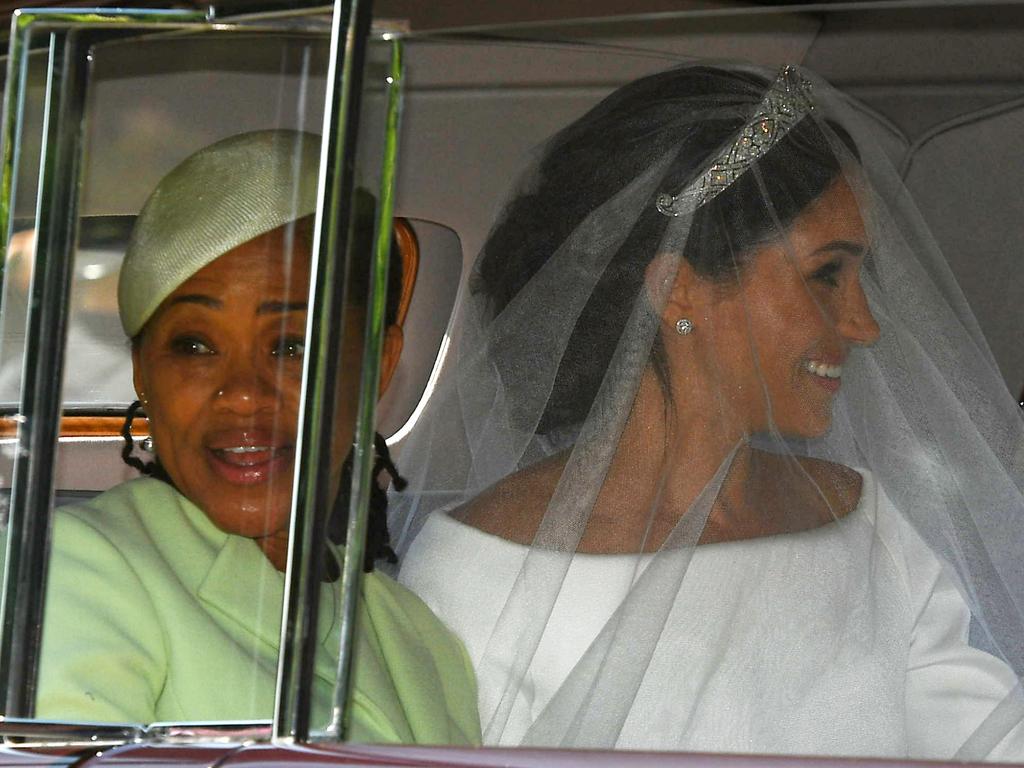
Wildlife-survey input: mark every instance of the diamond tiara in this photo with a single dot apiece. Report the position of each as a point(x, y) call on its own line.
point(785, 104)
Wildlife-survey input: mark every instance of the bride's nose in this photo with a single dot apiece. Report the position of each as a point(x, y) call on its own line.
point(856, 323)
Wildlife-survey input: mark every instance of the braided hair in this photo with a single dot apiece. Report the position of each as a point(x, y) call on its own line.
point(378, 539)
point(149, 468)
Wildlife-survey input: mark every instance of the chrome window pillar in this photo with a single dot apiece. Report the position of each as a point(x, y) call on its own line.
point(362, 468)
point(324, 333)
point(70, 35)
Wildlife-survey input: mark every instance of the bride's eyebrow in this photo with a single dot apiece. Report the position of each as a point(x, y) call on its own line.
point(850, 247)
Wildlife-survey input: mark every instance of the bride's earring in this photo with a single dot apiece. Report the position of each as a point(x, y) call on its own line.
point(684, 327)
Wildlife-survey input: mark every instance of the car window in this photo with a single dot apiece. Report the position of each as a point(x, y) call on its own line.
point(514, 465)
point(185, 168)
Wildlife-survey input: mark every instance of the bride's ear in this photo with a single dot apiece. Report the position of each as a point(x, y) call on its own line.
point(674, 290)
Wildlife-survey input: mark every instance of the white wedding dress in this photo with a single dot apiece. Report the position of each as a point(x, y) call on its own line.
point(850, 639)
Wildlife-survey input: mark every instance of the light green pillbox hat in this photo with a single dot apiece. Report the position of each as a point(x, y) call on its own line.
point(222, 196)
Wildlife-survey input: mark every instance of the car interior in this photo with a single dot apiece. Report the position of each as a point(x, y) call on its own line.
point(941, 87)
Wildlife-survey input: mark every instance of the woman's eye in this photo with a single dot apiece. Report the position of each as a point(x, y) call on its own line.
point(290, 347)
point(828, 273)
point(190, 345)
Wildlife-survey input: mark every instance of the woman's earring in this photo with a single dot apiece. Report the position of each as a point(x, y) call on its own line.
point(146, 444)
point(684, 327)
point(129, 441)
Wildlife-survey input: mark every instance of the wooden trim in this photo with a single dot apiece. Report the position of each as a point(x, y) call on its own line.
point(409, 250)
point(81, 426)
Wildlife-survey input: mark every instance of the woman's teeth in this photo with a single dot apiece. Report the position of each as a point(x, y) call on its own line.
point(248, 449)
point(824, 369)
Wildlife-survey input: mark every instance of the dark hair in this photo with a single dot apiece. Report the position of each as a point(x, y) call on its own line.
point(594, 158)
point(378, 539)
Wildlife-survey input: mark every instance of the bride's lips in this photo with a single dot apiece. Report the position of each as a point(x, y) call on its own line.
point(249, 456)
point(826, 371)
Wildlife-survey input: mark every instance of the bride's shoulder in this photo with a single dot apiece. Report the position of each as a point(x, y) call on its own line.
point(820, 490)
point(847, 490)
point(514, 506)
point(841, 484)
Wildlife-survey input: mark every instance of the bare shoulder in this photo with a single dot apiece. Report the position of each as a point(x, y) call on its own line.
point(803, 492)
point(513, 507)
point(839, 485)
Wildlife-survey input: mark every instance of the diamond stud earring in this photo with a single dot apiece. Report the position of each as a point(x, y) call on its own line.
point(684, 327)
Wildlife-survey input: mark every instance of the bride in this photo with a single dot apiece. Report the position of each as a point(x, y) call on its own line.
point(724, 463)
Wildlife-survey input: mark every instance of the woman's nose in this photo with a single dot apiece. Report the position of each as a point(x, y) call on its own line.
point(857, 324)
point(246, 389)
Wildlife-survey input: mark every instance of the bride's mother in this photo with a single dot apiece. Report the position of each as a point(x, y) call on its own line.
point(165, 592)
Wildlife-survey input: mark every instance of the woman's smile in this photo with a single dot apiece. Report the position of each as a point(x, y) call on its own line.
point(250, 456)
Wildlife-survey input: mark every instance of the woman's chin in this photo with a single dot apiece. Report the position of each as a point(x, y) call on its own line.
point(253, 511)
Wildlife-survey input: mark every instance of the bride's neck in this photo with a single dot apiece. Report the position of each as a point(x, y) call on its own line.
point(666, 456)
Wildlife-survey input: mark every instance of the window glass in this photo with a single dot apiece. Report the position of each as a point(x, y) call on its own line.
point(167, 586)
point(692, 577)
point(197, 193)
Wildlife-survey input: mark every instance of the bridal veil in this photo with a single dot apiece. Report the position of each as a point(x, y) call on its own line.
point(720, 459)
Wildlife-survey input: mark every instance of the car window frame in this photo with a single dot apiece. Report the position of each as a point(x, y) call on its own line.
point(70, 35)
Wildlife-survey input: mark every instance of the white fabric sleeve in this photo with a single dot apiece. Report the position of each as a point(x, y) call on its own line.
point(961, 701)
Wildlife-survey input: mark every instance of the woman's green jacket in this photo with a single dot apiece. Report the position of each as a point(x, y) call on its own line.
point(155, 614)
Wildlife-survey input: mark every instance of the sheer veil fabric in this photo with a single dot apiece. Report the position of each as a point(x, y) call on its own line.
point(722, 461)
